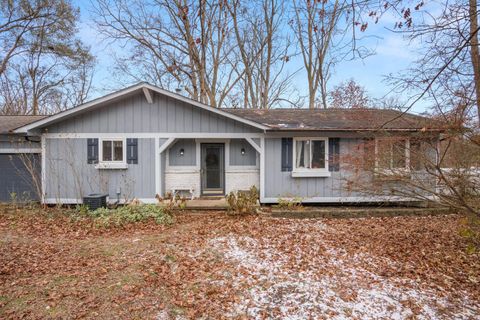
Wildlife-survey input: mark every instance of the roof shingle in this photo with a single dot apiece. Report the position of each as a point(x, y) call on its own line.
point(10, 123)
point(335, 119)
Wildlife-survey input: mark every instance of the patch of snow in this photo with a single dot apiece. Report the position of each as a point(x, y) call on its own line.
point(337, 287)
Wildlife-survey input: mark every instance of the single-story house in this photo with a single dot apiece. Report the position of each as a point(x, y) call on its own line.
point(144, 141)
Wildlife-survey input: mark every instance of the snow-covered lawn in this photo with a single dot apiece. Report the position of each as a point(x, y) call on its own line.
point(312, 277)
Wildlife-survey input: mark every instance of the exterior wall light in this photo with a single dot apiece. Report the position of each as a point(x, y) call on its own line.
point(182, 152)
point(242, 151)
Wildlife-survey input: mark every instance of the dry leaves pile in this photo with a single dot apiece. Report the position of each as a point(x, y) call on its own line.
point(212, 265)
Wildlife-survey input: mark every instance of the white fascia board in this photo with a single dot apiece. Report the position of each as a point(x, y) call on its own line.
point(365, 199)
point(20, 150)
point(129, 90)
point(161, 135)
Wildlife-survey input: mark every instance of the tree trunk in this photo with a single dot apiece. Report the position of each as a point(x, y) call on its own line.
point(311, 100)
point(35, 105)
point(474, 53)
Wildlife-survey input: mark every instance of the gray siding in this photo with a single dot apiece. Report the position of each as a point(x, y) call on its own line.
point(18, 142)
point(134, 114)
point(281, 184)
point(189, 156)
point(70, 176)
point(236, 157)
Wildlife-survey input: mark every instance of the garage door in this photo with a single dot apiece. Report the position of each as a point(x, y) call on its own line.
point(15, 177)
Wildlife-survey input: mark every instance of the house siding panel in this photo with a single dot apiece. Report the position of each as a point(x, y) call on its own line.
point(164, 115)
point(280, 184)
point(69, 176)
point(236, 157)
point(189, 156)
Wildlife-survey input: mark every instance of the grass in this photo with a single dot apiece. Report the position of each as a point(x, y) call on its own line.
point(212, 265)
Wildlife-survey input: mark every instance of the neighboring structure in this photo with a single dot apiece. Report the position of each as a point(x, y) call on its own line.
point(19, 160)
point(143, 141)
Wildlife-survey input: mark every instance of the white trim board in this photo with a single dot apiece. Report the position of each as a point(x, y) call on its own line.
point(337, 199)
point(253, 144)
point(19, 150)
point(43, 167)
point(262, 168)
point(80, 201)
point(160, 135)
point(135, 88)
point(158, 167)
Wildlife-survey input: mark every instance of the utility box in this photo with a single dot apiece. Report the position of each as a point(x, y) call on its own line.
point(95, 200)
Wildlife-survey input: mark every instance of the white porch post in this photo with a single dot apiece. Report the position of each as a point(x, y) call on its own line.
point(43, 166)
point(262, 169)
point(158, 162)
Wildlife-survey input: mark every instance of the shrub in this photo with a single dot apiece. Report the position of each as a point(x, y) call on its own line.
point(127, 214)
point(243, 202)
point(471, 231)
point(290, 204)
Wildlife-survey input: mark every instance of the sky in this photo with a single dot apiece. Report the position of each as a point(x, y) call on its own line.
point(393, 54)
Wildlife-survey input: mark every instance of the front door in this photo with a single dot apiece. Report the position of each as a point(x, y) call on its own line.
point(212, 171)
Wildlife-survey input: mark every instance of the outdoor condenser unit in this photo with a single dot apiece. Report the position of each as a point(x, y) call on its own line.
point(95, 200)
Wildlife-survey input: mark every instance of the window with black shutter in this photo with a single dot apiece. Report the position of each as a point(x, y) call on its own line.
point(334, 154)
point(92, 151)
point(287, 154)
point(132, 151)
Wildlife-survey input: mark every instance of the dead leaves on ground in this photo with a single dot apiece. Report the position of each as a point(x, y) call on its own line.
point(53, 267)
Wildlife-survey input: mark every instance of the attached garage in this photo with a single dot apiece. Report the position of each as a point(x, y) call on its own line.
point(20, 177)
point(20, 161)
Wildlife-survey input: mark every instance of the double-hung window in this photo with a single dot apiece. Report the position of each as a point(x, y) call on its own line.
point(310, 156)
point(113, 151)
point(392, 154)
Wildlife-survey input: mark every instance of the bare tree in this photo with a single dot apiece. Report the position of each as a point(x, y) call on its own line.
point(189, 42)
point(449, 60)
point(53, 69)
point(383, 170)
point(316, 26)
point(17, 20)
point(264, 51)
point(349, 95)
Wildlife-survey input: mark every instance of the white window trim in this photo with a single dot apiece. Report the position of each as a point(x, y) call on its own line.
point(310, 172)
point(392, 170)
point(112, 164)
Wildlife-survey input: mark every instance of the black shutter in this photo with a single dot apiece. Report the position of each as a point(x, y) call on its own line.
point(92, 150)
point(287, 154)
point(368, 154)
point(334, 154)
point(132, 151)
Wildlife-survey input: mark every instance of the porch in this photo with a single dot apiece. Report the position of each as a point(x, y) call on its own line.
point(195, 168)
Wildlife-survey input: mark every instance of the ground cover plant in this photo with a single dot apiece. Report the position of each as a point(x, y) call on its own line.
point(214, 265)
point(122, 215)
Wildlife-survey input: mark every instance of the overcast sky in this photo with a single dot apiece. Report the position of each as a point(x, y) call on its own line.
point(392, 54)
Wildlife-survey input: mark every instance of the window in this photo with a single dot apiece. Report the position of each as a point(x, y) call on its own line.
point(311, 154)
point(113, 150)
point(392, 153)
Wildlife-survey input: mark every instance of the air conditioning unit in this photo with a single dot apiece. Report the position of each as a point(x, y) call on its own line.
point(95, 200)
